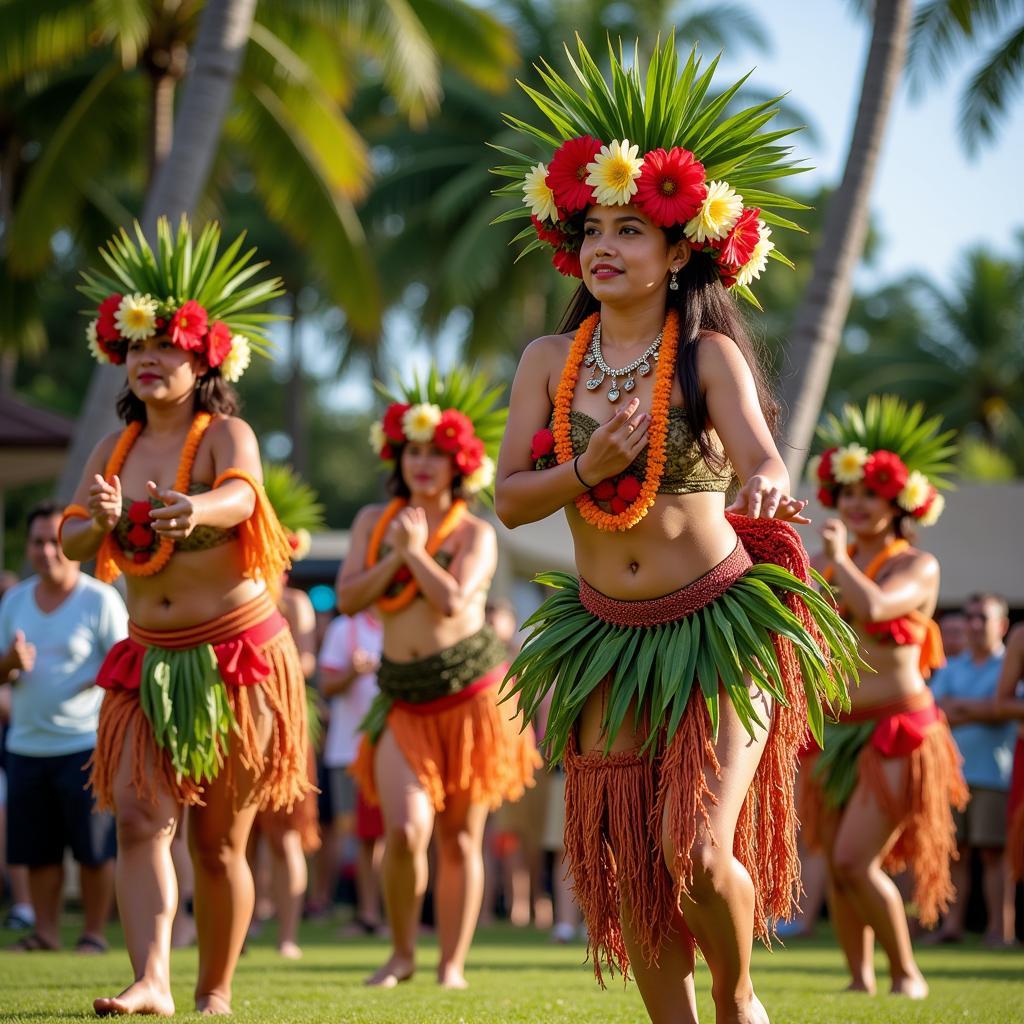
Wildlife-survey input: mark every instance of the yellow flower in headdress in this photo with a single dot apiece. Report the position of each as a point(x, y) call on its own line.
point(848, 463)
point(613, 173)
point(237, 360)
point(720, 210)
point(538, 196)
point(136, 317)
point(420, 421)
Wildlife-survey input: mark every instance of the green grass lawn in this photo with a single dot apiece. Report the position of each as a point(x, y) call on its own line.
point(514, 976)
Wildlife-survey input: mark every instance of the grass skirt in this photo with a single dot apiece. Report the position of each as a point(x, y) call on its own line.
point(856, 748)
point(752, 618)
point(250, 647)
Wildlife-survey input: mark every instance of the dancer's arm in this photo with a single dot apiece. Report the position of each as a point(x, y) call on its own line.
point(910, 583)
point(735, 413)
point(81, 538)
point(357, 587)
point(472, 567)
point(233, 446)
point(523, 494)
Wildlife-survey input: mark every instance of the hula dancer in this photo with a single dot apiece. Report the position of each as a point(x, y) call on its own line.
point(880, 795)
point(294, 833)
point(687, 660)
point(205, 701)
point(437, 750)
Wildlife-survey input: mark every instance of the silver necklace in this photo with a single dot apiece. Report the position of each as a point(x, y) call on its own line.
point(600, 369)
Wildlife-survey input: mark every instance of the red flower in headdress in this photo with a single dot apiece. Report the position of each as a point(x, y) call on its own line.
point(552, 235)
point(825, 465)
point(469, 458)
point(567, 262)
point(567, 173)
point(106, 327)
point(738, 246)
point(392, 423)
point(886, 474)
point(453, 430)
point(188, 327)
point(218, 343)
point(826, 498)
point(671, 186)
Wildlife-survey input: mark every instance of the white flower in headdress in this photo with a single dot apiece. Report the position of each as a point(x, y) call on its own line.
point(538, 196)
point(848, 463)
point(812, 467)
point(481, 478)
point(613, 173)
point(420, 421)
point(136, 317)
point(377, 437)
point(915, 492)
point(935, 509)
point(754, 267)
point(237, 360)
point(718, 213)
point(94, 345)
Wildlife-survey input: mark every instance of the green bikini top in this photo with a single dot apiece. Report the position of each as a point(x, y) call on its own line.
point(133, 537)
point(686, 471)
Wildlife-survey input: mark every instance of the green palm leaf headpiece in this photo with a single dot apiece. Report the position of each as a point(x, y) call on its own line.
point(661, 142)
point(296, 505)
point(461, 414)
point(892, 449)
point(202, 299)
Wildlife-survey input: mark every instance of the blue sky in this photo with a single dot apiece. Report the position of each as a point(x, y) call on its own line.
point(930, 201)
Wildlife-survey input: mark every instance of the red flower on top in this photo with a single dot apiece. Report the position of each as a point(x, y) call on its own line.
point(825, 465)
point(604, 491)
point(453, 430)
point(552, 235)
point(392, 422)
point(567, 262)
point(885, 474)
point(567, 173)
point(188, 327)
point(470, 456)
point(671, 186)
point(138, 512)
point(922, 509)
point(628, 488)
point(218, 343)
point(542, 444)
point(106, 328)
point(141, 537)
point(738, 246)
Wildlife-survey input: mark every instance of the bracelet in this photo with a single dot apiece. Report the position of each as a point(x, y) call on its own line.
point(576, 469)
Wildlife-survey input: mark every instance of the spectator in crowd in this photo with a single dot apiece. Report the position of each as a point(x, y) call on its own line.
point(55, 630)
point(987, 750)
point(349, 659)
point(953, 626)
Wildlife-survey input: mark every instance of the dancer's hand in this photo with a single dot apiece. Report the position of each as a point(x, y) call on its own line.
point(759, 498)
point(615, 445)
point(408, 530)
point(177, 519)
point(833, 538)
point(105, 502)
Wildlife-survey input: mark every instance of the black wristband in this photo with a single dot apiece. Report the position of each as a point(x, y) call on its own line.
point(576, 469)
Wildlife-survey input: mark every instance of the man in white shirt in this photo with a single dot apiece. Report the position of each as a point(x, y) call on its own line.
point(55, 630)
point(349, 658)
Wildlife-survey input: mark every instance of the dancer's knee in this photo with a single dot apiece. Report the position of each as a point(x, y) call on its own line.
point(847, 867)
point(406, 839)
point(714, 871)
point(457, 846)
point(214, 855)
point(140, 822)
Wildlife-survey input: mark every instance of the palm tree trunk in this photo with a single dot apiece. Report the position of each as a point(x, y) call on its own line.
point(221, 38)
point(819, 321)
point(161, 132)
point(297, 413)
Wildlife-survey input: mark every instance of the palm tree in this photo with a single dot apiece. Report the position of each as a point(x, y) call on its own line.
point(943, 29)
point(819, 321)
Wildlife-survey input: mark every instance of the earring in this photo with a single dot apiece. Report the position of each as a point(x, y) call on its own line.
point(673, 281)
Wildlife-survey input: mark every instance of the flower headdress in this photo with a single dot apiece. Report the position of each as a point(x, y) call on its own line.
point(664, 146)
point(892, 450)
point(296, 505)
point(184, 289)
point(460, 415)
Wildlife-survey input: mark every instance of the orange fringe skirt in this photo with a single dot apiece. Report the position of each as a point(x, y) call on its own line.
point(255, 651)
point(915, 730)
point(463, 743)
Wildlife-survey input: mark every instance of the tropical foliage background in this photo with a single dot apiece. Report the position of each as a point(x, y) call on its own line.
point(352, 152)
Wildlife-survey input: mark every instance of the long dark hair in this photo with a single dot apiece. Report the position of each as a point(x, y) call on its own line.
point(398, 488)
point(703, 305)
point(213, 394)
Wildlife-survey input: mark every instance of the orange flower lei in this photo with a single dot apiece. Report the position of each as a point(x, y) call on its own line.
point(452, 519)
point(109, 551)
point(657, 432)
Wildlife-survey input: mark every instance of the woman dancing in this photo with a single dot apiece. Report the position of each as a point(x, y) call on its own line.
point(205, 701)
point(880, 795)
point(436, 750)
point(680, 824)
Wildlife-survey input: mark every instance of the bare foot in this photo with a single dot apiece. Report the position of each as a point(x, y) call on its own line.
point(395, 971)
point(212, 1005)
point(913, 986)
point(753, 1013)
point(290, 951)
point(865, 985)
point(451, 977)
point(141, 997)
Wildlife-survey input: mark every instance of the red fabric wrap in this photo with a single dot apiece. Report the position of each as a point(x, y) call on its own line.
point(901, 724)
point(235, 639)
point(672, 607)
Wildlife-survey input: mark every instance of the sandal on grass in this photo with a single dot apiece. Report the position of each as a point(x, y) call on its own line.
point(31, 943)
point(90, 945)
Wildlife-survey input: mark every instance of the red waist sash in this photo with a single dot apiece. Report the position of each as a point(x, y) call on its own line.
point(901, 725)
point(236, 639)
